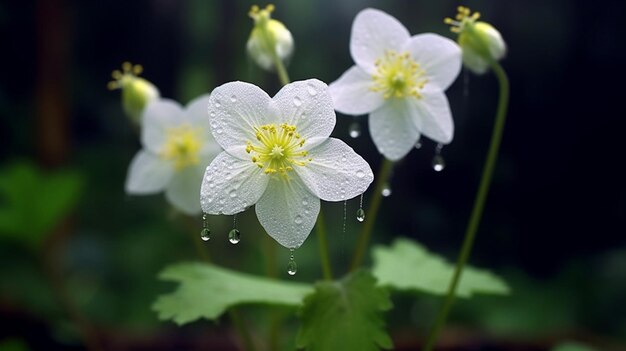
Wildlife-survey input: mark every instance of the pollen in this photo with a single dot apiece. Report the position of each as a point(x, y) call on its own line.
point(463, 18)
point(398, 76)
point(277, 149)
point(182, 146)
point(121, 78)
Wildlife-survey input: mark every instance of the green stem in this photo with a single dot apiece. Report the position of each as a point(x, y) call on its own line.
point(280, 70)
point(240, 325)
point(324, 256)
point(371, 214)
point(479, 204)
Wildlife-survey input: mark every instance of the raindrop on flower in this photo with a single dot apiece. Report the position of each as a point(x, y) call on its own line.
point(234, 236)
point(292, 266)
point(297, 101)
point(354, 130)
point(418, 145)
point(360, 215)
point(438, 163)
point(205, 234)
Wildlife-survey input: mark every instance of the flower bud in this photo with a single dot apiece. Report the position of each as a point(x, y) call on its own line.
point(481, 43)
point(136, 91)
point(269, 40)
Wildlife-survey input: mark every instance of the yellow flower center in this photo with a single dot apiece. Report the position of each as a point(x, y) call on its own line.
point(464, 18)
point(398, 75)
point(277, 149)
point(182, 146)
point(121, 78)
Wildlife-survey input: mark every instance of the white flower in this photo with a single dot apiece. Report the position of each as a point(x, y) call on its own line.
point(399, 80)
point(278, 155)
point(177, 146)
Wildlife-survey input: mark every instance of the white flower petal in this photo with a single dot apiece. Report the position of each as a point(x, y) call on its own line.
point(196, 113)
point(159, 115)
point(307, 105)
point(231, 185)
point(336, 172)
point(434, 117)
point(235, 108)
point(183, 191)
point(393, 129)
point(288, 211)
point(148, 174)
point(374, 32)
point(438, 56)
point(352, 95)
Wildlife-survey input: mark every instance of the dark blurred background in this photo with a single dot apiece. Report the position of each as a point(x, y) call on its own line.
point(554, 226)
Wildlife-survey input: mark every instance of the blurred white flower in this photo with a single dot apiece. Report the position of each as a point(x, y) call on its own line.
point(400, 81)
point(177, 147)
point(136, 91)
point(278, 155)
point(268, 38)
point(480, 41)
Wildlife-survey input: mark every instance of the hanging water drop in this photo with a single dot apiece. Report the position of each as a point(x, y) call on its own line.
point(234, 236)
point(418, 145)
point(438, 163)
point(354, 130)
point(292, 266)
point(360, 215)
point(205, 234)
point(386, 192)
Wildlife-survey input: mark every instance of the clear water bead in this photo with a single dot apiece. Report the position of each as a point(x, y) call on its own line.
point(354, 130)
point(360, 215)
point(292, 267)
point(386, 190)
point(205, 234)
point(438, 163)
point(234, 236)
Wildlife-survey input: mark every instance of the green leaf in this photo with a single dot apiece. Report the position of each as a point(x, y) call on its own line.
point(345, 315)
point(572, 346)
point(207, 291)
point(407, 265)
point(32, 202)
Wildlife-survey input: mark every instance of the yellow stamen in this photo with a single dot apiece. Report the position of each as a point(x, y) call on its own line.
point(182, 146)
point(398, 76)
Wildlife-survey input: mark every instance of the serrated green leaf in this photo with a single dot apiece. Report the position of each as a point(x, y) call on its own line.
point(407, 265)
point(33, 202)
point(206, 291)
point(345, 315)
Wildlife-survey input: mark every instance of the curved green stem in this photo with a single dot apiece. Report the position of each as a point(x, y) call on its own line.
point(320, 227)
point(479, 204)
point(280, 70)
point(371, 214)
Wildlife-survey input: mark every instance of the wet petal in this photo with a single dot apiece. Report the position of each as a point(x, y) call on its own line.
point(288, 211)
point(373, 33)
point(235, 109)
point(336, 172)
point(184, 190)
point(231, 185)
point(307, 105)
point(148, 174)
point(438, 56)
point(393, 129)
point(352, 93)
point(434, 118)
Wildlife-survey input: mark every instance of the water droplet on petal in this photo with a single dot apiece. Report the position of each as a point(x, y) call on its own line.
point(360, 215)
point(298, 219)
point(354, 130)
point(234, 236)
point(217, 103)
point(297, 101)
point(311, 89)
point(360, 174)
point(205, 234)
point(233, 98)
point(438, 163)
point(386, 190)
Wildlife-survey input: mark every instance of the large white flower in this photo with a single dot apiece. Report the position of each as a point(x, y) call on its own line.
point(399, 80)
point(278, 155)
point(177, 146)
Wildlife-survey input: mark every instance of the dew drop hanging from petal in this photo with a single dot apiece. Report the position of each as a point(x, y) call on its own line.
point(360, 213)
point(205, 233)
point(292, 266)
point(354, 130)
point(438, 163)
point(234, 236)
point(386, 192)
